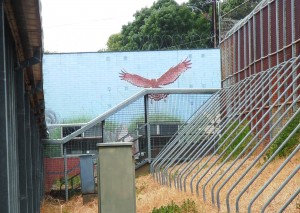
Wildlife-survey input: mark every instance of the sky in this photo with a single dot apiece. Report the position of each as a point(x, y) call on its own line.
point(85, 25)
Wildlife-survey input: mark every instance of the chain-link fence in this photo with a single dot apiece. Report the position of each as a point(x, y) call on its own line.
point(232, 13)
point(146, 122)
point(81, 86)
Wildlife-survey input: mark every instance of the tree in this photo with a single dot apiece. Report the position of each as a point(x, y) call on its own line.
point(165, 25)
point(238, 9)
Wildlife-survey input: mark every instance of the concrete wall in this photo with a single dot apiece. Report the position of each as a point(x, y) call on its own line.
point(88, 84)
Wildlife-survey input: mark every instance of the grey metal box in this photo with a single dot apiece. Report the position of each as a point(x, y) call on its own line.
point(116, 183)
point(87, 174)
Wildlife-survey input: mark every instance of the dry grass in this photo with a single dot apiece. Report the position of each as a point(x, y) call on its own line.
point(208, 180)
point(75, 205)
point(150, 194)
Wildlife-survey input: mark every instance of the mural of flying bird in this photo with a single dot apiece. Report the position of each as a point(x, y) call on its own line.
point(168, 77)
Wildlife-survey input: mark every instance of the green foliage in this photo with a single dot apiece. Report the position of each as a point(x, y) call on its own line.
point(173, 207)
point(111, 126)
point(238, 9)
point(165, 25)
point(174, 175)
point(55, 133)
point(188, 206)
point(73, 182)
point(291, 144)
point(55, 150)
point(239, 140)
point(52, 150)
point(78, 119)
point(114, 42)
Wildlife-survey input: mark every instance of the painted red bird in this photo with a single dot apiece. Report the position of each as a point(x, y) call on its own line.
point(167, 78)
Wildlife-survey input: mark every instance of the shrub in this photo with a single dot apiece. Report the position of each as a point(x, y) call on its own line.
point(188, 206)
point(239, 140)
point(291, 144)
point(173, 207)
point(55, 133)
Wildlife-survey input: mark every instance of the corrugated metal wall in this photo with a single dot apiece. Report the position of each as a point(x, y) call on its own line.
point(268, 37)
point(21, 168)
point(265, 38)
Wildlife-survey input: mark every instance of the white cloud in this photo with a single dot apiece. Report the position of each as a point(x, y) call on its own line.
point(84, 26)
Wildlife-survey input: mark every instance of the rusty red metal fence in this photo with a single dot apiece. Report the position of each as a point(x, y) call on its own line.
point(269, 35)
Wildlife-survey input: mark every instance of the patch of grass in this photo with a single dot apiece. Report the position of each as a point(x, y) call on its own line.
point(73, 181)
point(291, 144)
point(174, 175)
point(52, 150)
point(172, 207)
point(78, 119)
point(239, 140)
point(55, 133)
point(188, 206)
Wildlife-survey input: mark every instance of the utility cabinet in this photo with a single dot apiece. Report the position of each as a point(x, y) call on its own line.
point(116, 173)
point(87, 174)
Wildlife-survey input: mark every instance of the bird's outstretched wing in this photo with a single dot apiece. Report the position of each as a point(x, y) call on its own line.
point(135, 79)
point(174, 72)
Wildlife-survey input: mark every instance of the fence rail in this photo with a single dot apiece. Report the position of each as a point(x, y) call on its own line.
point(251, 125)
point(149, 124)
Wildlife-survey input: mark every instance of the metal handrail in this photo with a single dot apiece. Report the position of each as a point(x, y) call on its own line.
point(125, 103)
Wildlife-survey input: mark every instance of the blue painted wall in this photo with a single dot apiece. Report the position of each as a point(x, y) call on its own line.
point(89, 84)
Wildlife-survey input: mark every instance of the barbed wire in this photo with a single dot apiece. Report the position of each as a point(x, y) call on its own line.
point(51, 117)
point(187, 44)
point(202, 4)
point(230, 18)
point(164, 42)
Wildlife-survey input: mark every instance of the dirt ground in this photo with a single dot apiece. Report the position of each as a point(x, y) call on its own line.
point(150, 194)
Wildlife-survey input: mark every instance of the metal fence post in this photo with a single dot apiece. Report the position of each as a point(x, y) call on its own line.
point(148, 126)
point(66, 173)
